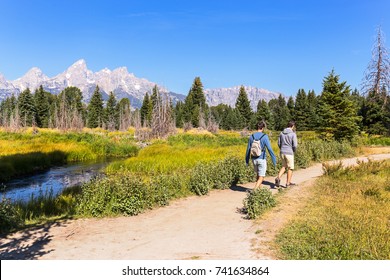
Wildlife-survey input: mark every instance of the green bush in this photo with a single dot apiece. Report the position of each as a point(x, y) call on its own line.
point(9, 216)
point(257, 201)
point(200, 182)
point(124, 194)
point(219, 175)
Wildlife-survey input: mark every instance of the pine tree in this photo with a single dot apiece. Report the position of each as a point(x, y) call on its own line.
point(291, 107)
point(27, 110)
point(145, 110)
point(312, 103)
point(244, 107)
point(263, 113)
point(111, 113)
point(42, 106)
point(195, 103)
point(338, 114)
point(179, 114)
point(280, 112)
point(233, 119)
point(95, 110)
point(301, 110)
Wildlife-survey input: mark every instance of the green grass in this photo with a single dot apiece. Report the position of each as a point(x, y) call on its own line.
point(180, 153)
point(30, 151)
point(378, 141)
point(347, 217)
point(182, 165)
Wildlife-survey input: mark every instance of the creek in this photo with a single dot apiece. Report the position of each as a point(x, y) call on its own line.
point(52, 181)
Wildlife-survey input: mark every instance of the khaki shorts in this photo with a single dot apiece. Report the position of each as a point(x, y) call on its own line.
point(287, 161)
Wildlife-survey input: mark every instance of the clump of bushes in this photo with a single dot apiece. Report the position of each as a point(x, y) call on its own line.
point(257, 201)
point(9, 216)
point(219, 175)
point(129, 194)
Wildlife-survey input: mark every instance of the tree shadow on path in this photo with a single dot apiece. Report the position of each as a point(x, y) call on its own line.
point(27, 244)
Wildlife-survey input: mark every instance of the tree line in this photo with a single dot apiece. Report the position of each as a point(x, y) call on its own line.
point(337, 112)
point(64, 111)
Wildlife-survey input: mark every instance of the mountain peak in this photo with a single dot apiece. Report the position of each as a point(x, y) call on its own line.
point(79, 64)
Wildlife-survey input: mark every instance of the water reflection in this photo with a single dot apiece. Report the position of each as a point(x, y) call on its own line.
point(54, 180)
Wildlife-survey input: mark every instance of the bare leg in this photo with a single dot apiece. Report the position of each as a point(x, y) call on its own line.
point(259, 181)
point(289, 176)
point(281, 172)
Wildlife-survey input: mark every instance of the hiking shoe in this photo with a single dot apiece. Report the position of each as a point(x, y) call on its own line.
point(277, 182)
point(291, 185)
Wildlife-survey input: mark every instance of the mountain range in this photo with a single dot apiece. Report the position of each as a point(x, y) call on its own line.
point(122, 83)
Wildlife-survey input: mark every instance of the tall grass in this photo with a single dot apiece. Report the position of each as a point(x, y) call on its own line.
point(182, 165)
point(180, 153)
point(347, 218)
point(30, 151)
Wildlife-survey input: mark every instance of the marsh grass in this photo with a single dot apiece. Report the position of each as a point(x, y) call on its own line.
point(182, 165)
point(180, 153)
point(348, 217)
point(28, 152)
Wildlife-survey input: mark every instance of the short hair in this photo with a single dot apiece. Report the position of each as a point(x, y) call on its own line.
point(261, 125)
point(291, 124)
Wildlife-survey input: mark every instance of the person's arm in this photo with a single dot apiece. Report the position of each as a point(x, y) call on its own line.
point(295, 142)
point(248, 148)
point(269, 148)
point(279, 142)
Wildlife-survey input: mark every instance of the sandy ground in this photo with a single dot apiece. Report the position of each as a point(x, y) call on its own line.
point(207, 227)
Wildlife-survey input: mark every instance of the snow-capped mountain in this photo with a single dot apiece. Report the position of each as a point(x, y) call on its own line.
point(229, 96)
point(122, 83)
point(119, 81)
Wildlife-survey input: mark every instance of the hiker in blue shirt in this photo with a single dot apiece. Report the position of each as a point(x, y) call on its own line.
point(260, 162)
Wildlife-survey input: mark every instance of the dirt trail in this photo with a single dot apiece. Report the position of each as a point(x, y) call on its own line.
point(207, 227)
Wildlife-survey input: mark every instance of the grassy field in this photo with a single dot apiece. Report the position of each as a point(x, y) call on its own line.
point(347, 217)
point(182, 152)
point(35, 150)
point(187, 163)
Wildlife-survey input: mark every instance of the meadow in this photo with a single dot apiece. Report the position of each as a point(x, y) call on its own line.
point(184, 164)
point(34, 150)
point(347, 217)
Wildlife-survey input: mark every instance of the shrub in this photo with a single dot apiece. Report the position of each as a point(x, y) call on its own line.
point(257, 201)
point(200, 179)
point(9, 216)
point(125, 194)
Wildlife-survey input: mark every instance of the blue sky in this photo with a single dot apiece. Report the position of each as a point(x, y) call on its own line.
point(278, 45)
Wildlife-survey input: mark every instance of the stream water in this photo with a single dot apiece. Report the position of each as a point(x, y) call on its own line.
point(53, 180)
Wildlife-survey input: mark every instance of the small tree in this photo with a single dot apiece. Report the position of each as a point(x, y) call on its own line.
point(244, 106)
point(338, 113)
point(42, 107)
point(264, 114)
point(26, 105)
point(301, 115)
point(111, 113)
point(95, 110)
point(145, 114)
